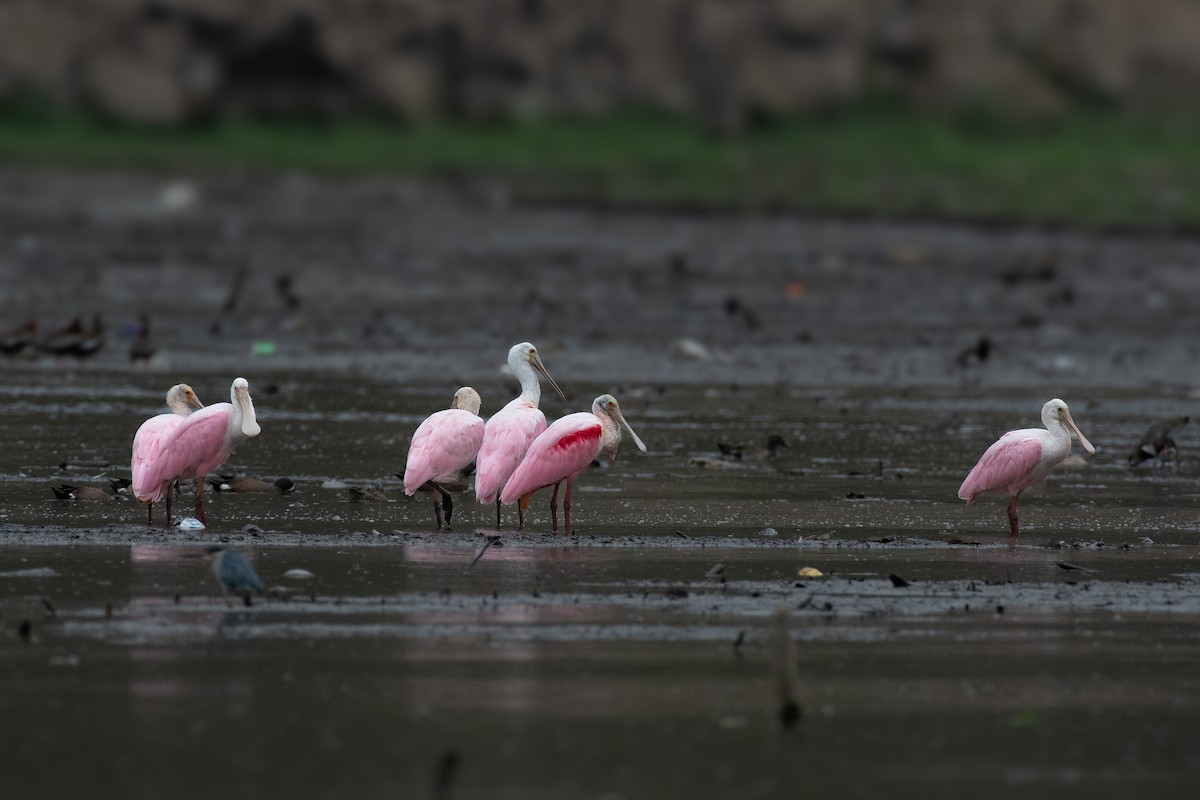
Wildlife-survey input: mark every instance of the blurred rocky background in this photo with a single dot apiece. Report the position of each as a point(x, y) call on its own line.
point(727, 63)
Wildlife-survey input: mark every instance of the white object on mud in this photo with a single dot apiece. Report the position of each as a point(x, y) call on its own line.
point(189, 524)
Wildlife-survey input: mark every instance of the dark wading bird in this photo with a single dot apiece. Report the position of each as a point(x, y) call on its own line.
point(511, 430)
point(1156, 443)
point(565, 450)
point(233, 573)
point(442, 447)
point(1021, 458)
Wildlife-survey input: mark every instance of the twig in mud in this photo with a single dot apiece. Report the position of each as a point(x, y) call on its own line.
point(49, 607)
point(682, 535)
point(490, 541)
point(784, 663)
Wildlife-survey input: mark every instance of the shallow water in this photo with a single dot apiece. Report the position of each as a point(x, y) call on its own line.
point(615, 662)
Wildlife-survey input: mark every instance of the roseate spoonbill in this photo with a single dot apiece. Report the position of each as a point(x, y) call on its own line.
point(230, 483)
point(1156, 443)
point(510, 431)
point(233, 573)
point(201, 443)
point(566, 449)
point(445, 443)
point(148, 444)
point(1021, 458)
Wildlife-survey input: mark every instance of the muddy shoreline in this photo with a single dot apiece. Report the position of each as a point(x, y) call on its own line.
point(620, 661)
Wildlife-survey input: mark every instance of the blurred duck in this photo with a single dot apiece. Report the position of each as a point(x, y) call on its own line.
point(18, 339)
point(75, 339)
point(82, 494)
point(368, 493)
point(229, 483)
point(93, 340)
point(143, 347)
point(1156, 443)
point(750, 452)
point(64, 341)
point(737, 456)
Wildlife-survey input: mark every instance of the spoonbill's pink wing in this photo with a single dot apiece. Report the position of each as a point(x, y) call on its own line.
point(445, 442)
point(1009, 462)
point(147, 445)
point(567, 447)
point(197, 445)
point(506, 437)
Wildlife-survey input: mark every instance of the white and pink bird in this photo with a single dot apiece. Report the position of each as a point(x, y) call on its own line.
point(1021, 458)
point(445, 443)
point(148, 441)
point(199, 444)
point(564, 451)
point(511, 430)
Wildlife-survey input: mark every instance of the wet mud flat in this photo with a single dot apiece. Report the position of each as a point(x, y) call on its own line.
point(634, 658)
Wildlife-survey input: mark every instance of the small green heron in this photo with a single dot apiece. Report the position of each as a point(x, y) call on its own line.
point(233, 573)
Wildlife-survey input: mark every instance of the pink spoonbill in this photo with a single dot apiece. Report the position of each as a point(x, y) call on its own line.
point(148, 443)
point(201, 443)
point(510, 431)
point(1021, 458)
point(446, 442)
point(566, 449)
